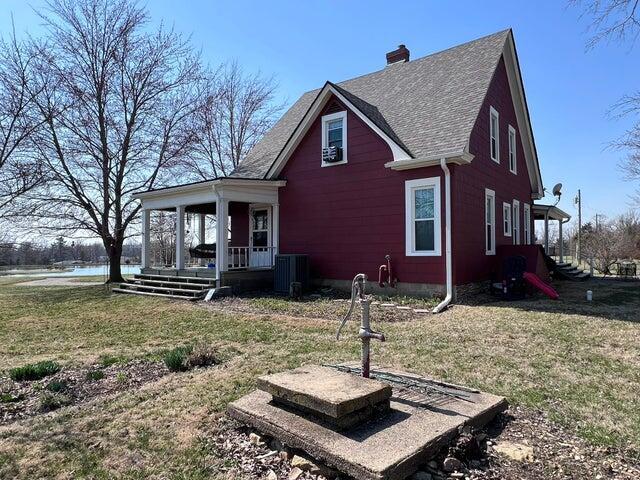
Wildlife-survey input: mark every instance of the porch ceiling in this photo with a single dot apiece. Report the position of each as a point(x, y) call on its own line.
point(554, 213)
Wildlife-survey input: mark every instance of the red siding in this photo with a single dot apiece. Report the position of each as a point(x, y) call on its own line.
point(470, 262)
point(239, 213)
point(348, 217)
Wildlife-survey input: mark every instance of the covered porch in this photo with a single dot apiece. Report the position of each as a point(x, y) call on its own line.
point(233, 221)
point(546, 213)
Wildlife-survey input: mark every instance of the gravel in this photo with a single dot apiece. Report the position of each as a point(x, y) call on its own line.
point(557, 453)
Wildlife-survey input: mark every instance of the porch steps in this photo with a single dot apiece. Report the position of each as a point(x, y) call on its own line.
point(182, 287)
point(568, 271)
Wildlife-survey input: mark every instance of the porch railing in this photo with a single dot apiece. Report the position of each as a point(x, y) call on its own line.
point(250, 257)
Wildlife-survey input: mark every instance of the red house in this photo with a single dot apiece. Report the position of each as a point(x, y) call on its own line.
point(430, 161)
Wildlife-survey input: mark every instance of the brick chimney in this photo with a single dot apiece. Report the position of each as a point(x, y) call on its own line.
point(399, 55)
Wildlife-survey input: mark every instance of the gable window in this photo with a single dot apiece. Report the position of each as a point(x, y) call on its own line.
point(422, 215)
point(334, 139)
point(490, 221)
point(513, 167)
point(516, 222)
point(506, 218)
point(527, 224)
point(494, 134)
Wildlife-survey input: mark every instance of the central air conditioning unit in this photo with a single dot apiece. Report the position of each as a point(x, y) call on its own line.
point(289, 269)
point(331, 154)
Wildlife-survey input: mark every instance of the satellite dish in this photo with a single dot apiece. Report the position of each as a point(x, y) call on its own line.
point(556, 189)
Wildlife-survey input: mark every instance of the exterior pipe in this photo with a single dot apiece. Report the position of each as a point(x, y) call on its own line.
point(448, 263)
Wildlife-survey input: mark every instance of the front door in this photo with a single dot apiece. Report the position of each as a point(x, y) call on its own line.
point(260, 234)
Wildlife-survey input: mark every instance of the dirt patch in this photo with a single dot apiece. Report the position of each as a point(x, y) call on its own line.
point(72, 386)
point(543, 449)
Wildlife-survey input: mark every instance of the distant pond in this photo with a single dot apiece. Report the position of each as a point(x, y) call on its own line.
point(75, 271)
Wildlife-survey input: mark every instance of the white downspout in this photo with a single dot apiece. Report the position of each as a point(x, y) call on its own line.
point(447, 207)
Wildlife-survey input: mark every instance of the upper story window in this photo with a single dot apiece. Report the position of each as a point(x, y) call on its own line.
point(494, 134)
point(422, 214)
point(513, 166)
point(490, 221)
point(334, 139)
point(506, 219)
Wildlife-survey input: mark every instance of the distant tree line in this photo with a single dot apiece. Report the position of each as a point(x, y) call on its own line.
point(15, 254)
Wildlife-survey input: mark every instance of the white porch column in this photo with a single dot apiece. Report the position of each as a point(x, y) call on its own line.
point(546, 233)
point(561, 240)
point(180, 237)
point(145, 256)
point(275, 230)
point(202, 235)
point(222, 236)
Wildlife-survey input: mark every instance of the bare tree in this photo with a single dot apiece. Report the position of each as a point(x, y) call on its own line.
point(19, 173)
point(238, 109)
point(117, 105)
point(611, 19)
point(619, 20)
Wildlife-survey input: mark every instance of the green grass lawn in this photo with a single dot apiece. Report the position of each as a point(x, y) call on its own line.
point(576, 361)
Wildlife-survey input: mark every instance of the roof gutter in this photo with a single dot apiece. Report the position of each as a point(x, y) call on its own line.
point(457, 158)
point(448, 261)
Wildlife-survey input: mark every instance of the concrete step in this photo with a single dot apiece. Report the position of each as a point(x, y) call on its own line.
point(583, 276)
point(172, 278)
point(151, 294)
point(156, 289)
point(171, 284)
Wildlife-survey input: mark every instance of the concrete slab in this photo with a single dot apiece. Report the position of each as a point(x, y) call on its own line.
point(390, 447)
point(325, 390)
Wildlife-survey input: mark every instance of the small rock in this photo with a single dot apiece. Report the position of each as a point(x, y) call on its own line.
point(255, 439)
point(272, 475)
point(421, 475)
point(451, 464)
point(285, 454)
point(295, 473)
point(304, 464)
point(515, 451)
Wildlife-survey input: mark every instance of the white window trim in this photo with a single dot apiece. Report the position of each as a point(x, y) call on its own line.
point(515, 221)
point(409, 207)
point(527, 223)
point(506, 208)
point(492, 194)
point(325, 121)
point(513, 149)
point(492, 112)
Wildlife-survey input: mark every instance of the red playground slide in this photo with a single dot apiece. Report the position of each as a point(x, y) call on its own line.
point(533, 279)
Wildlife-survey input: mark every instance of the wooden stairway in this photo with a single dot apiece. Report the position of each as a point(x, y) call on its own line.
point(567, 271)
point(169, 286)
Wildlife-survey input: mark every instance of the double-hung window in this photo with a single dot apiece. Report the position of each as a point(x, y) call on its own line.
point(506, 219)
point(513, 165)
point(494, 134)
point(527, 224)
point(334, 135)
point(490, 221)
point(422, 217)
point(516, 222)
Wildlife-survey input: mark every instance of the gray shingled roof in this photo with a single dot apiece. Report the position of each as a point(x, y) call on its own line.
point(428, 106)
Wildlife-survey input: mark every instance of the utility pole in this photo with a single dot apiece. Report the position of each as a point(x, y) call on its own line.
point(578, 201)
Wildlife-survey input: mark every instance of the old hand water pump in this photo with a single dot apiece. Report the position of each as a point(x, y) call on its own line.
point(365, 333)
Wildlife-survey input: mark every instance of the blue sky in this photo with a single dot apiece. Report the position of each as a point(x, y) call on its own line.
point(304, 43)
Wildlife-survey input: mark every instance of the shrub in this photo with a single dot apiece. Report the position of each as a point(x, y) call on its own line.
point(202, 355)
point(57, 386)
point(34, 371)
point(94, 375)
point(52, 401)
point(177, 360)
point(10, 398)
